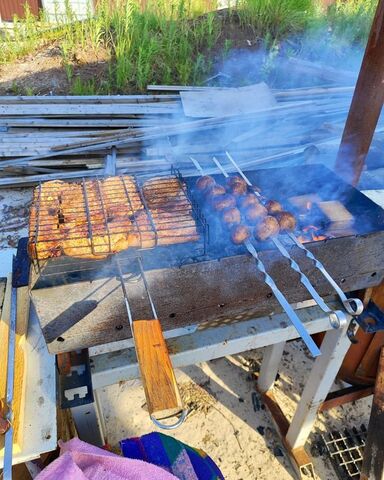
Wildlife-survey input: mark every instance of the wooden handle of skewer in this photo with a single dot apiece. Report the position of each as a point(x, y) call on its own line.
point(161, 390)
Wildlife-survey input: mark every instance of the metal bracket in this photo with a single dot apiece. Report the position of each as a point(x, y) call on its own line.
point(74, 379)
point(371, 320)
point(21, 265)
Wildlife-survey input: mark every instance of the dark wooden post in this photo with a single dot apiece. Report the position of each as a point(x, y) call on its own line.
point(366, 105)
point(373, 462)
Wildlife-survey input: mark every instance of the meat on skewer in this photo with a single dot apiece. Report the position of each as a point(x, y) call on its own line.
point(215, 191)
point(238, 189)
point(249, 199)
point(255, 213)
point(286, 220)
point(205, 182)
point(273, 207)
point(231, 216)
point(220, 202)
point(239, 234)
point(266, 228)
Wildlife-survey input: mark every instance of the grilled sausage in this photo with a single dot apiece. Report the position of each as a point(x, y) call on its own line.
point(239, 234)
point(220, 202)
point(254, 213)
point(231, 216)
point(266, 228)
point(286, 221)
point(273, 207)
point(205, 182)
point(249, 199)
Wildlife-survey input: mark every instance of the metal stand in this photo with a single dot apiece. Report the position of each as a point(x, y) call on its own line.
point(322, 376)
point(118, 364)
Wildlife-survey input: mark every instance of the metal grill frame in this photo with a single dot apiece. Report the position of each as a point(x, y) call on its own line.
point(81, 263)
point(346, 451)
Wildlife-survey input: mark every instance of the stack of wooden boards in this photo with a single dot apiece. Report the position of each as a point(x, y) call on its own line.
point(50, 138)
point(95, 218)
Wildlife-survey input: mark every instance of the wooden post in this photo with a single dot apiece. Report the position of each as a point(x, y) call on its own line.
point(366, 105)
point(373, 462)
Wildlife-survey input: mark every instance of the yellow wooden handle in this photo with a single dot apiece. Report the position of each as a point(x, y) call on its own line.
point(161, 390)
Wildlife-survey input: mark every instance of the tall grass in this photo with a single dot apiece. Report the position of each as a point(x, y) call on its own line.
point(174, 41)
point(275, 19)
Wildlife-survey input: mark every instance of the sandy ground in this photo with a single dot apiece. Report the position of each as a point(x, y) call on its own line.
point(223, 421)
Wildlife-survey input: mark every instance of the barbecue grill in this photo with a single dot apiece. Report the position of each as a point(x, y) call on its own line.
point(211, 281)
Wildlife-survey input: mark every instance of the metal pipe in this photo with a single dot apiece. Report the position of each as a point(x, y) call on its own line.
point(366, 105)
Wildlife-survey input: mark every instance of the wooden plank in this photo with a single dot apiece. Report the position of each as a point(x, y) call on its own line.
point(221, 103)
point(366, 105)
point(23, 302)
point(373, 461)
point(76, 110)
point(35, 179)
point(159, 381)
point(86, 99)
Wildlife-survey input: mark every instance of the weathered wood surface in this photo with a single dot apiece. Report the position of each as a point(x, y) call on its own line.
point(159, 381)
point(20, 359)
point(373, 461)
point(213, 292)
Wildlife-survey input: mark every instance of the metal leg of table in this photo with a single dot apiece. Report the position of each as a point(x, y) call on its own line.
point(269, 367)
point(323, 373)
point(89, 422)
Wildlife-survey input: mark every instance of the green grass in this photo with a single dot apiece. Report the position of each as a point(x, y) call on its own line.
point(175, 41)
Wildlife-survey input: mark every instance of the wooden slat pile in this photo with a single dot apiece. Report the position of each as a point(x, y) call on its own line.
point(43, 138)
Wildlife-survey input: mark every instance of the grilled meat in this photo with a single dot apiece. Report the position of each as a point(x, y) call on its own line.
point(286, 221)
point(249, 199)
point(221, 202)
point(231, 216)
point(205, 182)
point(239, 234)
point(273, 207)
point(215, 191)
point(266, 228)
point(238, 188)
point(254, 213)
point(97, 218)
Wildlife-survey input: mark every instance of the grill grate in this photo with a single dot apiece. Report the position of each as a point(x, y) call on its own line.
point(346, 451)
point(76, 225)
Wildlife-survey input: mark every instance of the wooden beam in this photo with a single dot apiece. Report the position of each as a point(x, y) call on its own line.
point(366, 105)
point(373, 462)
point(20, 359)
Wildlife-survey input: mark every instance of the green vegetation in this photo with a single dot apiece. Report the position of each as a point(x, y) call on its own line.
point(176, 41)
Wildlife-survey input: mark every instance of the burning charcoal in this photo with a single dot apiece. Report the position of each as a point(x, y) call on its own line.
point(273, 207)
point(255, 213)
point(268, 227)
point(286, 221)
point(205, 182)
point(239, 234)
point(231, 216)
point(221, 202)
point(248, 200)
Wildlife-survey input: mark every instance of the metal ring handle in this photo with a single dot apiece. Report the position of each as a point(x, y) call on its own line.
point(177, 424)
point(348, 305)
point(337, 319)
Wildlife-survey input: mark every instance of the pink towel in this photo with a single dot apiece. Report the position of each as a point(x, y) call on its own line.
point(80, 461)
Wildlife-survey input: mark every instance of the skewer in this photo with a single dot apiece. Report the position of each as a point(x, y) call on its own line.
point(336, 317)
point(313, 348)
point(348, 303)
